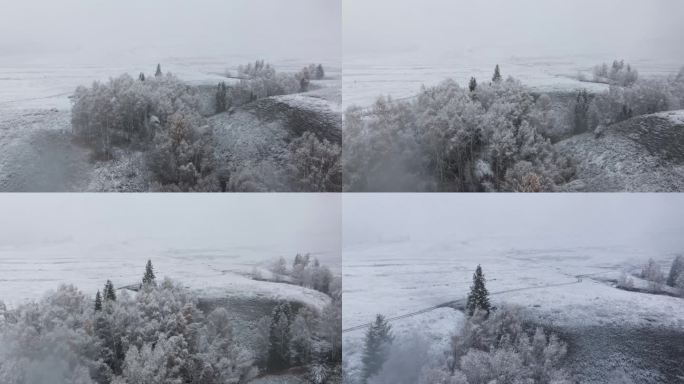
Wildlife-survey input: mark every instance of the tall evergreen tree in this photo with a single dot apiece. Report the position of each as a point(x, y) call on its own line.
point(149, 277)
point(378, 339)
point(141, 76)
point(581, 117)
point(279, 338)
point(221, 97)
point(676, 270)
point(320, 73)
point(109, 293)
point(98, 301)
point(472, 85)
point(158, 72)
point(478, 298)
point(497, 74)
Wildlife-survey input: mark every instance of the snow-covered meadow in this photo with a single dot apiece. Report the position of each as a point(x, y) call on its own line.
point(208, 244)
point(557, 257)
point(400, 75)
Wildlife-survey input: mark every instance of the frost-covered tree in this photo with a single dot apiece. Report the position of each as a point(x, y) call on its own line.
point(472, 85)
point(653, 273)
point(314, 164)
point(676, 270)
point(109, 292)
point(158, 72)
point(148, 277)
point(320, 73)
point(581, 109)
point(279, 356)
point(221, 101)
point(98, 301)
point(301, 331)
point(478, 298)
point(497, 74)
point(405, 361)
point(376, 347)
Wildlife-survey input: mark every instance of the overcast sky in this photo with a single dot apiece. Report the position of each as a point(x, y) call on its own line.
point(304, 222)
point(622, 28)
point(292, 28)
point(653, 221)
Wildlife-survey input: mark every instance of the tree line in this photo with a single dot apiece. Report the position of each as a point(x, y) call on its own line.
point(158, 335)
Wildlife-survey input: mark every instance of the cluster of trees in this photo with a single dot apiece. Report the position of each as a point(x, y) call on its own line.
point(625, 99)
point(486, 137)
point(159, 336)
point(302, 338)
point(307, 271)
point(159, 115)
point(162, 116)
point(314, 165)
point(312, 71)
point(493, 346)
point(618, 73)
point(653, 273)
point(156, 335)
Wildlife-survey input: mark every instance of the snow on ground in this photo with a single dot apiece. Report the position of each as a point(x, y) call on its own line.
point(557, 285)
point(401, 75)
point(28, 271)
point(676, 117)
point(47, 82)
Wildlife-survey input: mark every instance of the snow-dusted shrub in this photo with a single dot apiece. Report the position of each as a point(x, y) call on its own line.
point(654, 275)
point(314, 165)
point(451, 139)
point(625, 281)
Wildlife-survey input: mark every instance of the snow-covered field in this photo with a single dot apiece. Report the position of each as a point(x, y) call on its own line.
point(29, 271)
point(47, 82)
point(401, 75)
point(563, 278)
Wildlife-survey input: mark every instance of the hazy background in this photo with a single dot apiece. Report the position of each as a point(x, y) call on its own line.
point(622, 28)
point(647, 221)
point(125, 29)
point(274, 222)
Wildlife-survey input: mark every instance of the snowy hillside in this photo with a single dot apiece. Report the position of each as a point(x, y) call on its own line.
point(643, 154)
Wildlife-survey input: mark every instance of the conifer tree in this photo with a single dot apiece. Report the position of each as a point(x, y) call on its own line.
point(676, 270)
point(158, 72)
point(141, 76)
point(279, 338)
point(109, 294)
point(478, 298)
point(149, 277)
point(497, 74)
point(378, 339)
point(472, 85)
point(320, 73)
point(221, 97)
point(98, 301)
